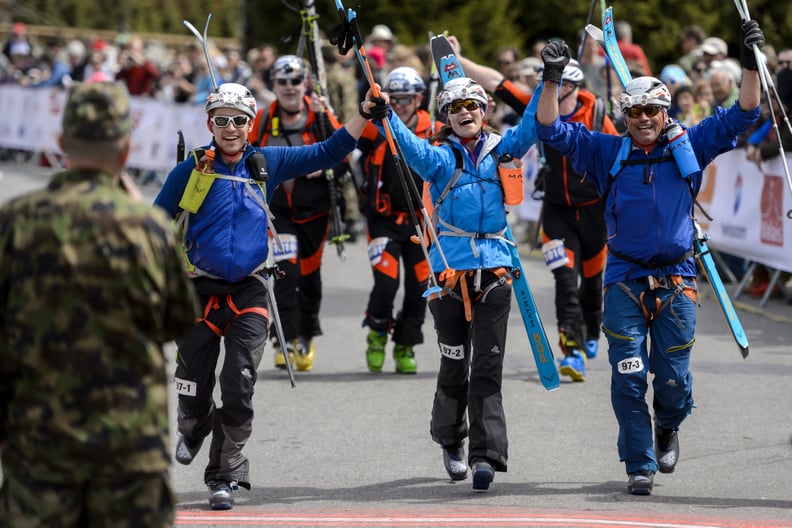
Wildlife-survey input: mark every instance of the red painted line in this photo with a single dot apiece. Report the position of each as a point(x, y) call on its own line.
point(526, 519)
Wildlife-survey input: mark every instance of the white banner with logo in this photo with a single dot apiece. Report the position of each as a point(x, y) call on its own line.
point(749, 207)
point(31, 120)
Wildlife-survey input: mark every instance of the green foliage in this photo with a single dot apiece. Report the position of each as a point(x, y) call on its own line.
point(482, 27)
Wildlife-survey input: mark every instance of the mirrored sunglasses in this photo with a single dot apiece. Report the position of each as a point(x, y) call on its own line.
point(222, 121)
point(636, 111)
point(467, 104)
point(293, 81)
point(403, 100)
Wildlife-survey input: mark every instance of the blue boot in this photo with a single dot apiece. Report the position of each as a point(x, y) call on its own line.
point(574, 366)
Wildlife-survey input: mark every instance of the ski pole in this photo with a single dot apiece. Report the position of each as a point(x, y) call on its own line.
point(767, 81)
point(585, 34)
point(353, 38)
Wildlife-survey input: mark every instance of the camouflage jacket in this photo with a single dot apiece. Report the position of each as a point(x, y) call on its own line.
point(91, 287)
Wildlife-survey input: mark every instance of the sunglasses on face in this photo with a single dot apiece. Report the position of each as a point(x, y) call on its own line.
point(284, 82)
point(467, 104)
point(785, 63)
point(404, 100)
point(636, 111)
point(222, 121)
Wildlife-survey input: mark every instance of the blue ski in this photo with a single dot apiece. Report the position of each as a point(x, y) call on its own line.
point(708, 265)
point(612, 48)
point(702, 250)
point(449, 67)
point(543, 354)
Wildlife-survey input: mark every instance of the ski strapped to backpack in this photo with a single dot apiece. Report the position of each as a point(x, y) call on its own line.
point(699, 244)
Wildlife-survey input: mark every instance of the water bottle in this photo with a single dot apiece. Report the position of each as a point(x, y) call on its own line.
point(679, 143)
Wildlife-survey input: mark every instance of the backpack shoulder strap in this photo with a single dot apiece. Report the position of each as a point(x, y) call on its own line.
point(599, 114)
point(616, 167)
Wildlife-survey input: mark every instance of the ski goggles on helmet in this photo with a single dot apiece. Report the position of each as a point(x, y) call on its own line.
point(636, 111)
point(455, 107)
point(222, 121)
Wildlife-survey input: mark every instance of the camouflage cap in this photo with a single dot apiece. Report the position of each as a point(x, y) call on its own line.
point(97, 112)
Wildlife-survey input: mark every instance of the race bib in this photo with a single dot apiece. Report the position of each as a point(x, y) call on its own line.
point(185, 387)
point(287, 249)
point(630, 365)
point(555, 254)
point(376, 248)
point(452, 352)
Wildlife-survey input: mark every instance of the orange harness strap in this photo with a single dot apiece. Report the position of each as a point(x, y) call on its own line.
point(451, 282)
point(214, 304)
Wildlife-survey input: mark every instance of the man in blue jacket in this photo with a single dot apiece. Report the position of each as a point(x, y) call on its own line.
point(220, 197)
point(650, 287)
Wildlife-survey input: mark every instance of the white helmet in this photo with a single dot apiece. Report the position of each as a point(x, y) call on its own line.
point(289, 66)
point(572, 72)
point(232, 95)
point(404, 80)
point(643, 91)
point(460, 89)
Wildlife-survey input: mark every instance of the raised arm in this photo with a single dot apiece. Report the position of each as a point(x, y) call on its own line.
point(555, 56)
point(750, 87)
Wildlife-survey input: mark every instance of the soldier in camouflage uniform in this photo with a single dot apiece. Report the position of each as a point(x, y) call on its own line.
point(91, 287)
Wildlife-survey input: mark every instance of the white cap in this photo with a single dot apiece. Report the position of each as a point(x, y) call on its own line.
point(381, 32)
point(714, 46)
point(529, 67)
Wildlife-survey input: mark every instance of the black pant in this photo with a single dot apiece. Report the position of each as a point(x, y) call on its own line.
point(244, 337)
point(578, 285)
point(379, 312)
point(471, 371)
point(299, 291)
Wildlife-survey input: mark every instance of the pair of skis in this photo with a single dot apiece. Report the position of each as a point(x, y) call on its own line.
point(606, 38)
point(449, 67)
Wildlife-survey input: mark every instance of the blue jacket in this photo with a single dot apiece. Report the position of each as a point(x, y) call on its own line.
point(227, 237)
point(475, 203)
point(648, 206)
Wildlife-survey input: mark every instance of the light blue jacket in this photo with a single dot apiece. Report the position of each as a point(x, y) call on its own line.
point(474, 205)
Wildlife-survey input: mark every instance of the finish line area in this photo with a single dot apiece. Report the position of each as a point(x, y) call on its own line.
point(516, 519)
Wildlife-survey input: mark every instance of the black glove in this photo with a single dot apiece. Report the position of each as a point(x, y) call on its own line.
point(752, 35)
point(379, 111)
point(363, 113)
point(555, 56)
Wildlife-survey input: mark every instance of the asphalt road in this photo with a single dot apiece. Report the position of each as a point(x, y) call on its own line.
point(351, 448)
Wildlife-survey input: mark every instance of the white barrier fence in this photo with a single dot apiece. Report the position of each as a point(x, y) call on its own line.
point(30, 119)
point(749, 205)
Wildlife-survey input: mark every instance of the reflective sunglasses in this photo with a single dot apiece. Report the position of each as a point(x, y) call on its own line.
point(636, 111)
point(403, 100)
point(222, 121)
point(467, 104)
point(284, 82)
